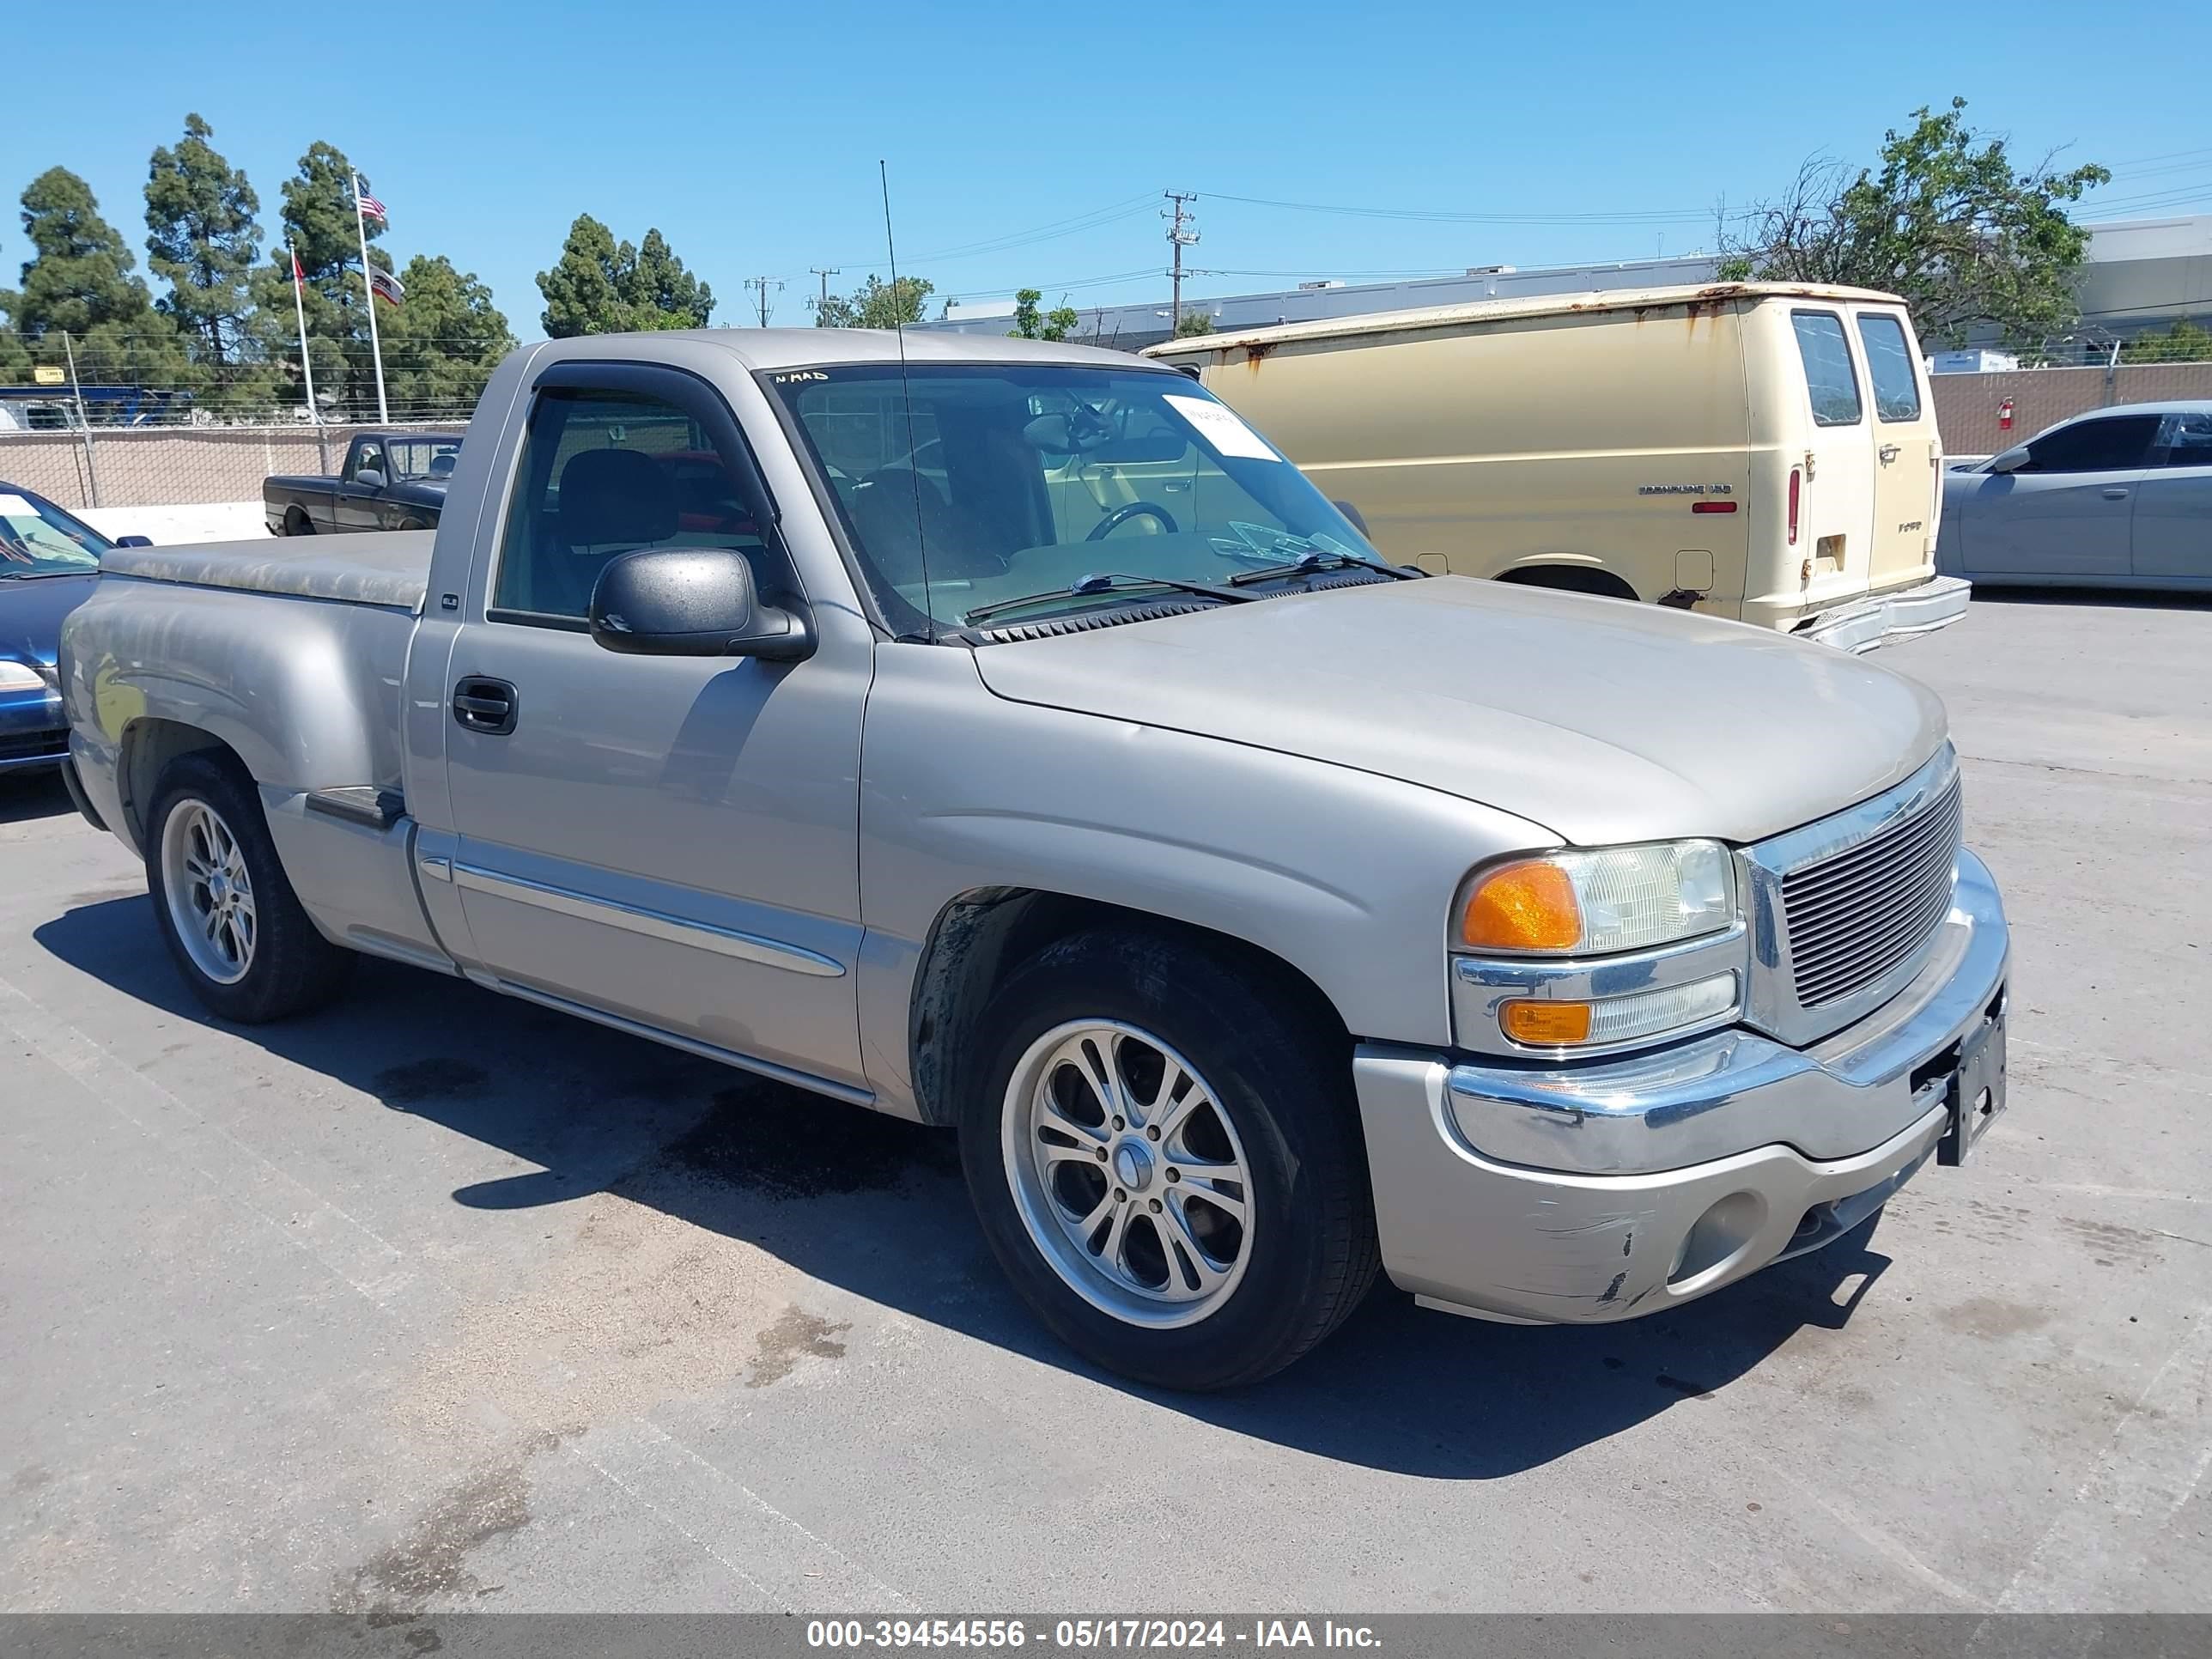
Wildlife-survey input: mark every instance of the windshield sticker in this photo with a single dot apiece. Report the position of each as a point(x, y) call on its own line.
point(15, 506)
point(1220, 427)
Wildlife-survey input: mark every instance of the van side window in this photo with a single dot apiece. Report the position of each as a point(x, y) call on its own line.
point(603, 473)
point(1889, 366)
point(1829, 375)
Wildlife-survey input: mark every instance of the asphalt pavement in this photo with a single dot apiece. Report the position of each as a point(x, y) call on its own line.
point(439, 1301)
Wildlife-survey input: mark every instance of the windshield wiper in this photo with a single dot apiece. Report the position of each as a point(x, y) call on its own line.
point(1306, 564)
point(1106, 582)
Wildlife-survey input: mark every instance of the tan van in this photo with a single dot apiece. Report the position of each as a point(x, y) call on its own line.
point(1750, 450)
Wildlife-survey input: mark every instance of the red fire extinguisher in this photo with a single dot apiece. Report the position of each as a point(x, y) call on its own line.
point(2004, 416)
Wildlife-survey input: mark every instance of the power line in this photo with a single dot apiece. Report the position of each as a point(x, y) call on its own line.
point(1669, 215)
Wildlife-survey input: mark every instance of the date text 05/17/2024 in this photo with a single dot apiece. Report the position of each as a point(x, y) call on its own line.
point(1086, 1635)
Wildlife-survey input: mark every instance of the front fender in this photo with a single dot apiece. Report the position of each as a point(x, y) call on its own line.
point(1346, 876)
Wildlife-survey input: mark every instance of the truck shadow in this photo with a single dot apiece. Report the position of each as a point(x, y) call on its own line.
point(874, 1204)
point(32, 793)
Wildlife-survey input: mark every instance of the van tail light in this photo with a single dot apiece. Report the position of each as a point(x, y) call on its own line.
point(1712, 507)
point(1796, 488)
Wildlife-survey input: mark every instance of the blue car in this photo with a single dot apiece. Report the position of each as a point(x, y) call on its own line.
point(48, 564)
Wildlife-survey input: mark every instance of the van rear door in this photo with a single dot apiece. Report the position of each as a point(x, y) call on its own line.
point(1908, 452)
point(1836, 504)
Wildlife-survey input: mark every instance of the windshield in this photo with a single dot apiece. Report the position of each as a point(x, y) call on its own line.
point(37, 539)
point(999, 481)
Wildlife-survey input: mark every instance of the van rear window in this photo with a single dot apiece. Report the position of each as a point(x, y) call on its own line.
point(1829, 375)
point(1889, 366)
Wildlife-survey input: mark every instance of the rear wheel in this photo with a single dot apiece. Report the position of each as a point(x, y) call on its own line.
point(225, 907)
point(1166, 1160)
point(297, 523)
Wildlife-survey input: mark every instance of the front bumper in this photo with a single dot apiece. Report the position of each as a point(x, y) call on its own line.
point(1881, 618)
point(1583, 1194)
point(34, 732)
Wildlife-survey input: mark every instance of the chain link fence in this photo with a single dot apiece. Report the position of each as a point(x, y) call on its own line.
point(98, 467)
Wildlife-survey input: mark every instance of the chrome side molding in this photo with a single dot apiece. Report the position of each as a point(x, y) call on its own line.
point(653, 924)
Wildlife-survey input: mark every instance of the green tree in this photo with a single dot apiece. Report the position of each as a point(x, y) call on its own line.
point(442, 342)
point(1947, 219)
point(79, 282)
point(600, 285)
point(1032, 322)
point(877, 304)
point(2186, 341)
point(202, 239)
point(1193, 323)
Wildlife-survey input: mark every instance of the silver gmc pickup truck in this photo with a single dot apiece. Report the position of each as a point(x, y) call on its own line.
point(1258, 913)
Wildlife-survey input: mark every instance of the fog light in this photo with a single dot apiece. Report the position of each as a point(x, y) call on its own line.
point(1538, 1023)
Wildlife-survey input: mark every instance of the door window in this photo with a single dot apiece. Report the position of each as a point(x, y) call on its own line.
point(608, 472)
point(1829, 376)
point(1889, 366)
point(2190, 443)
point(368, 458)
point(2112, 444)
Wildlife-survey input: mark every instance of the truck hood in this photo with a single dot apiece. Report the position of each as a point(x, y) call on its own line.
point(1600, 720)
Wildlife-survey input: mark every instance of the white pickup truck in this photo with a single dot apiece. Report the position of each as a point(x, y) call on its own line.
point(1255, 910)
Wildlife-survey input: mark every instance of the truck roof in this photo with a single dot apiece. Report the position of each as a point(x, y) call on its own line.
point(798, 348)
point(1491, 310)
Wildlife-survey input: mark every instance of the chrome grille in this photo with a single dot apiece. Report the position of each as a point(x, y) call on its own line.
point(1856, 914)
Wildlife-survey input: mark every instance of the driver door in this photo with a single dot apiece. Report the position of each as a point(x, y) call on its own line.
point(669, 841)
point(355, 504)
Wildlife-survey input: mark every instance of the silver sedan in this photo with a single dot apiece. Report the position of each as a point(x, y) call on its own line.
point(2119, 498)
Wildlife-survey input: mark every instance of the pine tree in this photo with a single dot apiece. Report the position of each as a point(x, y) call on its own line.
point(442, 343)
point(600, 285)
point(319, 221)
point(79, 282)
point(202, 239)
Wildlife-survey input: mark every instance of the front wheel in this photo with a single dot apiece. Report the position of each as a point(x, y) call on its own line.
point(226, 909)
point(1166, 1160)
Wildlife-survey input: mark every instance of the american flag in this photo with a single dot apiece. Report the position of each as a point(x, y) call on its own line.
point(386, 285)
point(370, 207)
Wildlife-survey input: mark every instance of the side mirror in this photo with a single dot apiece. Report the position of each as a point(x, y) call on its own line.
point(1358, 520)
point(134, 541)
point(692, 602)
point(2010, 460)
point(370, 478)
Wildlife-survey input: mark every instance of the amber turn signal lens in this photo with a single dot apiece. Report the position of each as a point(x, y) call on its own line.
point(1541, 1023)
point(1530, 905)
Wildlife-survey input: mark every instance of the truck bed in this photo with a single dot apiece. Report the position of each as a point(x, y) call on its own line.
point(390, 569)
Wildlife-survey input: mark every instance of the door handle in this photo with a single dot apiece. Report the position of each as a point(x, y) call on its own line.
point(1888, 453)
point(485, 705)
point(2116, 494)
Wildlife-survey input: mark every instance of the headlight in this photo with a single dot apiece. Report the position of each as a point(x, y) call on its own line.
point(1595, 903)
point(21, 676)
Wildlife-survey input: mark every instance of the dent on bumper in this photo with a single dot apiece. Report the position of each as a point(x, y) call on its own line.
point(1881, 617)
point(1575, 1194)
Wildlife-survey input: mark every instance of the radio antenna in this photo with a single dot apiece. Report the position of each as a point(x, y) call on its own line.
point(905, 394)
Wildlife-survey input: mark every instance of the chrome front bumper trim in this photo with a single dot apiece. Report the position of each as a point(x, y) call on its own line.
point(1736, 1090)
point(1881, 618)
point(1572, 1194)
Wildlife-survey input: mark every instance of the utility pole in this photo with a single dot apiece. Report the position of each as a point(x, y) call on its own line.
point(1182, 233)
point(761, 286)
point(822, 304)
point(84, 422)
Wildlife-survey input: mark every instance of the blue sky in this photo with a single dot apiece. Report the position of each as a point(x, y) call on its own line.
point(750, 136)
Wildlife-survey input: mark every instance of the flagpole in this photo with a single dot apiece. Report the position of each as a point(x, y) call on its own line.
point(368, 295)
point(306, 362)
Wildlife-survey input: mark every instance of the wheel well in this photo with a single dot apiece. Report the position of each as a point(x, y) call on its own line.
point(149, 746)
point(1570, 579)
point(982, 936)
point(297, 515)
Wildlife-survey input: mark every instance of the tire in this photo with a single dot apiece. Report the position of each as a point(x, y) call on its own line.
point(226, 910)
point(1197, 1294)
point(297, 523)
